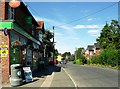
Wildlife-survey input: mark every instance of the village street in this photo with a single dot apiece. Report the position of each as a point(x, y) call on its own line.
point(74, 76)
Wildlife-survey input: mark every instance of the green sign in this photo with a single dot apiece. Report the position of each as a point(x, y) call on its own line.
point(8, 25)
point(28, 20)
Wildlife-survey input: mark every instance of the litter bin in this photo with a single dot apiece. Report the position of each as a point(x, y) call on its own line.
point(16, 76)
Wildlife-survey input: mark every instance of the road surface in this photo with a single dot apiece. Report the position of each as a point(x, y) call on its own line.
point(88, 76)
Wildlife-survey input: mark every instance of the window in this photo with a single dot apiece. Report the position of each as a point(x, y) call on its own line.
point(10, 13)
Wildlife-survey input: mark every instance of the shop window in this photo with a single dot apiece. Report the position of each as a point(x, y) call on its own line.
point(40, 35)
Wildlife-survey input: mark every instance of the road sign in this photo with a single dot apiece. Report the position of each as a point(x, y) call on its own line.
point(3, 51)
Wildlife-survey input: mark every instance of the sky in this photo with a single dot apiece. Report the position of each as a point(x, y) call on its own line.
point(77, 24)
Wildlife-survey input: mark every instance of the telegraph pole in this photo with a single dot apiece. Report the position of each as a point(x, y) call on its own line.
point(53, 45)
point(75, 53)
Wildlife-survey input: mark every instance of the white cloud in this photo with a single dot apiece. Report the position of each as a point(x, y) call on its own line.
point(94, 32)
point(91, 19)
point(87, 26)
point(66, 28)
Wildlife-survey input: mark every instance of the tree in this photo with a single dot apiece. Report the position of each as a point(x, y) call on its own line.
point(56, 53)
point(48, 44)
point(109, 40)
point(47, 36)
point(78, 53)
point(66, 54)
point(110, 36)
point(72, 57)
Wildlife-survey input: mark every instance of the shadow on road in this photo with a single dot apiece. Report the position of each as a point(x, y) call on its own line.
point(46, 71)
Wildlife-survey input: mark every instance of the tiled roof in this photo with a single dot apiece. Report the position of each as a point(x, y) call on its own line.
point(41, 24)
point(96, 45)
point(90, 47)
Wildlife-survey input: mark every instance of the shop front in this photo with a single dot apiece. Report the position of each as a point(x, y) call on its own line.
point(18, 49)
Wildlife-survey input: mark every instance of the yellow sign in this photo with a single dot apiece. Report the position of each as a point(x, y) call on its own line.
point(3, 51)
point(59, 58)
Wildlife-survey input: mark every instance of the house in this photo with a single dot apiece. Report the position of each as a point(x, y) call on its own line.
point(96, 49)
point(21, 38)
point(92, 50)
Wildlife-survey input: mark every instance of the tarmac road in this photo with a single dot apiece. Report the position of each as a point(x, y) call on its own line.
point(88, 76)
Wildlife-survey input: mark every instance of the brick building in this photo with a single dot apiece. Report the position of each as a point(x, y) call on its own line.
point(20, 38)
point(92, 50)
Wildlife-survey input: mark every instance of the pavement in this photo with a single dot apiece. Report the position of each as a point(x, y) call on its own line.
point(51, 76)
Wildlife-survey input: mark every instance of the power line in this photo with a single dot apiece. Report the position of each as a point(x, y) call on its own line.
point(87, 15)
point(32, 8)
point(81, 17)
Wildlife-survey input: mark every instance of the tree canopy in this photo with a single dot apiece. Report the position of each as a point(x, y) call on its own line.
point(110, 36)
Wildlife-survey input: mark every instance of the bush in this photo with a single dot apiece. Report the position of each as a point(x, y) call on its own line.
point(74, 62)
point(88, 62)
point(95, 60)
point(107, 57)
point(78, 61)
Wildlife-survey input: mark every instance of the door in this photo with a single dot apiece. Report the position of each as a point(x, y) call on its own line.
point(15, 55)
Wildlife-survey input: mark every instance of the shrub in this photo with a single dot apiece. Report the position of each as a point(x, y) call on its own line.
point(107, 57)
point(88, 62)
point(74, 62)
point(78, 61)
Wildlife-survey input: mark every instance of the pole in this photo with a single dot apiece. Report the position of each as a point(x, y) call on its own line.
point(53, 45)
point(75, 53)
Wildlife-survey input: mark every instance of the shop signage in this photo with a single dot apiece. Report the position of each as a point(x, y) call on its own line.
point(3, 51)
point(28, 74)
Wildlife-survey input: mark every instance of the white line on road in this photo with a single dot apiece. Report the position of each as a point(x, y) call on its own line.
point(48, 80)
point(70, 78)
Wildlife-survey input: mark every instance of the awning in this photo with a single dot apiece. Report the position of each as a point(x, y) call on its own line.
point(17, 28)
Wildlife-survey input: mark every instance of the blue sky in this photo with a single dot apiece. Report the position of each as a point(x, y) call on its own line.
point(78, 33)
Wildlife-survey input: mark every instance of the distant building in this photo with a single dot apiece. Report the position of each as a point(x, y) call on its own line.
point(96, 49)
point(92, 50)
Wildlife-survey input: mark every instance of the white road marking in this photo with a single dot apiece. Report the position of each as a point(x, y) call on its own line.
point(71, 78)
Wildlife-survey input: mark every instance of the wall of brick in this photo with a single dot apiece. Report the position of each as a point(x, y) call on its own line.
point(4, 40)
point(2, 9)
point(4, 61)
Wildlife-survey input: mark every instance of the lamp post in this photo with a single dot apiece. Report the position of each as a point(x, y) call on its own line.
point(75, 53)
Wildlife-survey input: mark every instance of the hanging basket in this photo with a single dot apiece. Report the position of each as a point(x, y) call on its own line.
point(16, 43)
